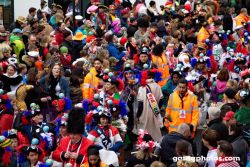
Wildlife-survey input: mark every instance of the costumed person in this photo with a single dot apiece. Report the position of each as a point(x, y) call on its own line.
point(129, 95)
point(62, 105)
point(5, 54)
point(112, 87)
point(30, 155)
point(10, 157)
point(30, 125)
point(72, 150)
point(6, 112)
point(5, 151)
point(145, 145)
point(143, 60)
point(65, 58)
point(219, 85)
point(105, 136)
point(150, 101)
point(160, 60)
point(93, 158)
point(61, 127)
point(11, 80)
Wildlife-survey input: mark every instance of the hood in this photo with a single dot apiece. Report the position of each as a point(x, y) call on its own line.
point(14, 38)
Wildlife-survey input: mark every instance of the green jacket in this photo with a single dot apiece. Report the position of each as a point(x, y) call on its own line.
point(243, 115)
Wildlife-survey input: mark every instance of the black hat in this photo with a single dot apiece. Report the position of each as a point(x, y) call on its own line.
point(66, 33)
point(230, 93)
point(144, 50)
point(76, 121)
point(35, 110)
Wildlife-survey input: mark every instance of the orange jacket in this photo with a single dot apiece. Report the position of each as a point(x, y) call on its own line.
point(176, 105)
point(162, 65)
point(86, 164)
point(202, 35)
point(90, 83)
point(241, 19)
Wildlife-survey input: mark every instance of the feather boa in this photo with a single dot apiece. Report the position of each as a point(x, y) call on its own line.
point(6, 156)
point(48, 138)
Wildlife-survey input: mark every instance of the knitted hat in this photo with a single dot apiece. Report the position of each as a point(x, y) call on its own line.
point(64, 49)
point(4, 142)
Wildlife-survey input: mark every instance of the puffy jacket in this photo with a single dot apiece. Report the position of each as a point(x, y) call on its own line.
point(162, 65)
point(90, 83)
point(188, 103)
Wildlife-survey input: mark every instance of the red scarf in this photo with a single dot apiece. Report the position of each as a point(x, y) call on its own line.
point(221, 160)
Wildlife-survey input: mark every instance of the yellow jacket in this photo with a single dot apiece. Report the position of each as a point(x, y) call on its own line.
point(176, 106)
point(162, 66)
point(202, 35)
point(90, 83)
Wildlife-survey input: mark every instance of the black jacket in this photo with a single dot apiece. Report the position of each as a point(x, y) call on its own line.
point(240, 148)
point(168, 144)
point(220, 127)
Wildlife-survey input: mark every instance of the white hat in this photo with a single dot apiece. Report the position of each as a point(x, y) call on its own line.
point(33, 53)
point(69, 14)
point(78, 17)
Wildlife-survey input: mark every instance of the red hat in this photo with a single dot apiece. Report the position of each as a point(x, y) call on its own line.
point(168, 4)
point(187, 7)
point(229, 115)
point(90, 38)
point(125, 11)
point(117, 1)
point(123, 41)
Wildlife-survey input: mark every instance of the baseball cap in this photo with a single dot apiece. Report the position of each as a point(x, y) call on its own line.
point(229, 115)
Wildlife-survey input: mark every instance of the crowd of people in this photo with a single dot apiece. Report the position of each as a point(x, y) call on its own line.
point(126, 84)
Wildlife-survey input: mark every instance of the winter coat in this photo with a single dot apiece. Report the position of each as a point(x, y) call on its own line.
point(114, 52)
point(63, 83)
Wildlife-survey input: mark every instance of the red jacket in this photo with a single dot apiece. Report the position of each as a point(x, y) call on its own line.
point(65, 145)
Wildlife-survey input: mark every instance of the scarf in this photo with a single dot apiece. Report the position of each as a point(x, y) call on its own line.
point(52, 85)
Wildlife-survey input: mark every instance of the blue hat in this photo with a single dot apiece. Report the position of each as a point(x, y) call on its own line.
point(17, 30)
